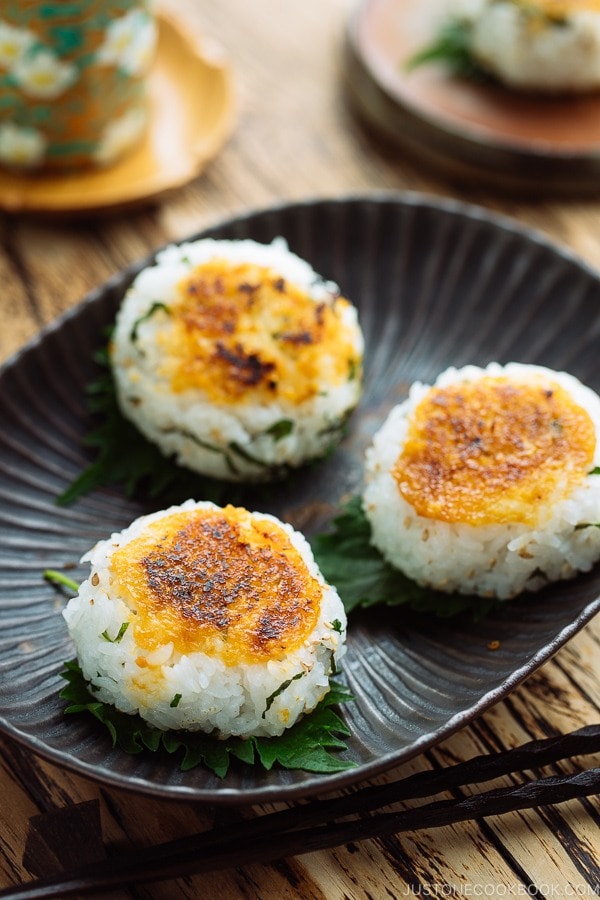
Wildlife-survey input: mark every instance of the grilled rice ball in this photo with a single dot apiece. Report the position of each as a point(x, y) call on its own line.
point(486, 482)
point(203, 618)
point(237, 359)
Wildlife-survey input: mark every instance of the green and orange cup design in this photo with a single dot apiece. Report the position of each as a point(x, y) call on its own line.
point(73, 81)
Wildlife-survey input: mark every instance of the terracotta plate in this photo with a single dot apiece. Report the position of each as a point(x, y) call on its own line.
point(436, 284)
point(465, 128)
point(191, 115)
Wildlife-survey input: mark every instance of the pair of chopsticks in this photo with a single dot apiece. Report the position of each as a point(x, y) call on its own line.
point(315, 825)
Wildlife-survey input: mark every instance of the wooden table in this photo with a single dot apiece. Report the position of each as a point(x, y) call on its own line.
point(295, 138)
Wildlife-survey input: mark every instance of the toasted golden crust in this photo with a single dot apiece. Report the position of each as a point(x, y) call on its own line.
point(240, 331)
point(558, 9)
point(494, 450)
point(221, 582)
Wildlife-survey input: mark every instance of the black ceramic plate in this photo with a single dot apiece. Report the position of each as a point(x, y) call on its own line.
point(437, 284)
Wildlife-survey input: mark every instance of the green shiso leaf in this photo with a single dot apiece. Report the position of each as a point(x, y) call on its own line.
point(61, 580)
point(280, 429)
point(309, 743)
point(312, 744)
point(124, 456)
point(147, 315)
point(451, 46)
point(363, 578)
point(119, 635)
point(282, 687)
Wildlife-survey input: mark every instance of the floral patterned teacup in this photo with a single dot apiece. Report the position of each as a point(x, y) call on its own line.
point(73, 77)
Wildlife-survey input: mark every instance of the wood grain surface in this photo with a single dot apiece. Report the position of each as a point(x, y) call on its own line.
point(295, 138)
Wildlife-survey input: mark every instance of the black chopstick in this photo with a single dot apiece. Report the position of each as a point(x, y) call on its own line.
point(267, 848)
point(479, 769)
point(312, 826)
